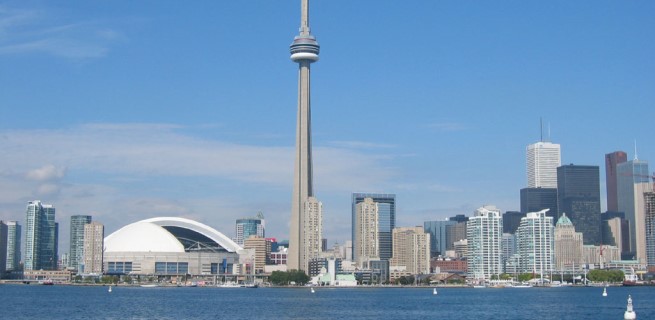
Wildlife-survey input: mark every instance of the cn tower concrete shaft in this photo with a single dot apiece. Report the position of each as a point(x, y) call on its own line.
point(304, 51)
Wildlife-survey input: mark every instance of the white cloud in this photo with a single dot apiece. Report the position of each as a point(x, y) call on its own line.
point(46, 173)
point(27, 31)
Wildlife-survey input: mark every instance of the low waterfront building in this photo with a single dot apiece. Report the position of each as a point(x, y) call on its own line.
point(449, 265)
point(600, 255)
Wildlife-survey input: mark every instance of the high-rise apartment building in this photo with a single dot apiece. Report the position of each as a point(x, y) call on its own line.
point(76, 251)
point(304, 51)
point(543, 158)
point(262, 249)
point(649, 212)
point(611, 161)
point(537, 199)
point(438, 236)
point(13, 245)
point(386, 204)
point(632, 183)
point(41, 232)
point(534, 241)
point(411, 249)
point(312, 232)
point(247, 227)
point(93, 243)
point(568, 245)
point(484, 232)
point(578, 195)
point(508, 247)
point(366, 244)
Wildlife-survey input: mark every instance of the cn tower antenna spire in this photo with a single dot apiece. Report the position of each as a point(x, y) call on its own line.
point(304, 51)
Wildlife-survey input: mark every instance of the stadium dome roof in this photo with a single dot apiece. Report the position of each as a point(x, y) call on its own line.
point(168, 234)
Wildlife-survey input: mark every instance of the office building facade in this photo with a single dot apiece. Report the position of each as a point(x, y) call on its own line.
point(13, 245)
point(247, 227)
point(438, 231)
point(568, 245)
point(612, 160)
point(537, 199)
point(366, 242)
point(484, 232)
point(386, 204)
point(511, 221)
point(76, 251)
point(542, 159)
point(632, 183)
point(578, 195)
point(649, 212)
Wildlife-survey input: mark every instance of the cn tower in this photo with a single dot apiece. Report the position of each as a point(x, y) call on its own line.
point(304, 51)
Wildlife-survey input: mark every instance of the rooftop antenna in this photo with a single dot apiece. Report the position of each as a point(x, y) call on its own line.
point(636, 158)
point(548, 131)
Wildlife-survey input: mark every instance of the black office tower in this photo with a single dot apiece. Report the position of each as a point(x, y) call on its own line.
point(578, 195)
point(537, 199)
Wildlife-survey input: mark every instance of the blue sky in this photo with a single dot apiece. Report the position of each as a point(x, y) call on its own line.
point(128, 110)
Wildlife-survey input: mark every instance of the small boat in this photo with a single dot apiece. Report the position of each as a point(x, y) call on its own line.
point(434, 291)
point(605, 292)
point(47, 282)
point(149, 285)
point(312, 290)
point(479, 286)
point(109, 289)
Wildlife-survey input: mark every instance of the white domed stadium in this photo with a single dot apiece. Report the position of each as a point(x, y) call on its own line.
point(168, 246)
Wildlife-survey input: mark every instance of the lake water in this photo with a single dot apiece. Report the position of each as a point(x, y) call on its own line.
point(76, 302)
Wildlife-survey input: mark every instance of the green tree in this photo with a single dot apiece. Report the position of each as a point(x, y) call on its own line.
point(279, 278)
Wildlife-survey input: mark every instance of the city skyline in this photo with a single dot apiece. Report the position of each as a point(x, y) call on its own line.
point(142, 113)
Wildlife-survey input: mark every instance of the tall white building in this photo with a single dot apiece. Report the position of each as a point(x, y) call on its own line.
point(543, 158)
point(366, 243)
point(411, 249)
point(94, 235)
point(312, 231)
point(535, 242)
point(484, 233)
point(568, 244)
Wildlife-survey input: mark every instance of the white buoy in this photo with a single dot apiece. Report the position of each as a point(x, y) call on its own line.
point(434, 291)
point(605, 292)
point(109, 289)
point(629, 313)
point(313, 290)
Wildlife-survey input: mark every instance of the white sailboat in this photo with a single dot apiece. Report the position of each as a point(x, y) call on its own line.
point(434, 291)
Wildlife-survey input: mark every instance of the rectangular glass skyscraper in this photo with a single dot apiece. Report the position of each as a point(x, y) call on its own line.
point(632, 183)
point(76, 253)
point(612, 160)
point(40, 237)
point(13, 245)
point(537, 199)
point(386, 220)
point(578, 195)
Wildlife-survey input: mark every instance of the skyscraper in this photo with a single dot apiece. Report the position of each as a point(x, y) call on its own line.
point(246, 227)
point(386, 204)
point(93, 243)
point(649, 212)
point(411, 249)
point(313, 231)
point(40, 237)
point(512, 220)
point(76, 251)
point(438, 236)
point(543, 158)
point(534, 241)
point(632, 183)
point(484, 233)
point(578, 195)
point(366, 238)
point(537, 199)
point(611, 161)
point(304, 51)
point(13, 245)
point(3, 248)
